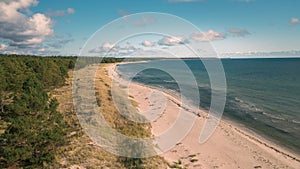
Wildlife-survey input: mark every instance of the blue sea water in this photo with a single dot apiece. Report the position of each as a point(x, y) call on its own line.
point(262, 94)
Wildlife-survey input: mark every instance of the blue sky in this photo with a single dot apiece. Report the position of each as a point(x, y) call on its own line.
point(233, 27)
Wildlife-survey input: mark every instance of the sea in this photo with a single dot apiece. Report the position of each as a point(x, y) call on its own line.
point(261, 94)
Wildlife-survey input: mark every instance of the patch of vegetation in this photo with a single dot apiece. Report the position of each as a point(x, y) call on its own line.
point(177, 165)
point(123, 125)
point(38, 125)
point(33, 127)
point(85, 61)
point(193, 160)
point(192, 155)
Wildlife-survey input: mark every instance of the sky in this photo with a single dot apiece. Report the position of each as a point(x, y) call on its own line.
point(229, 28)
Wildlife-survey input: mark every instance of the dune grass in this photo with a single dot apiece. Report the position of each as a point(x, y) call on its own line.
point(81, 151)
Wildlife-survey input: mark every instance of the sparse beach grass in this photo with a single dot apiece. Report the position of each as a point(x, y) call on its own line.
point(82, 152)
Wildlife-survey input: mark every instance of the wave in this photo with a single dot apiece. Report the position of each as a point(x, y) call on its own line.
point(261, 99)
point(296, 121)
point(250, 107)
point(169, 81)
point(254, 109)
point(238, 100)
point(274, 116)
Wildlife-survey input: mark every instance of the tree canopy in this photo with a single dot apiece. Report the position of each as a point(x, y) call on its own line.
point(34, 127)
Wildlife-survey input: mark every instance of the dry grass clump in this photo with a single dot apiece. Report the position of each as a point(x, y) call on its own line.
point(81, 152)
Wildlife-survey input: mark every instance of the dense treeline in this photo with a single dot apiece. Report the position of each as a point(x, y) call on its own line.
point(31, 127)
point(84, 61)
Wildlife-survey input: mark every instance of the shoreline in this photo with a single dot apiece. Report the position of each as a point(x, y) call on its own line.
point(266, 153)
point(248, 132)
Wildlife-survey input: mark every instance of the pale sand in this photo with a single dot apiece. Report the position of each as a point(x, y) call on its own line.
point(229, 147)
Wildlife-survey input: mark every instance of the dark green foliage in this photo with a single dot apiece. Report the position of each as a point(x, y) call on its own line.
point(132, 163)
point(35, 128)
point(111, 60)
point(85, 61)
point(71, 64)
point(50, 71)
point(133, 149)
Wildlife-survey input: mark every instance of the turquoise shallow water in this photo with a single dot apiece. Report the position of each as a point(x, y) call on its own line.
point(262, 94)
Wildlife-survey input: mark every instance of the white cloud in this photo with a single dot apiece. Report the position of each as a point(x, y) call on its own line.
point(42, 50)
point(22, 30)
point(104, 48)
point(70, 11)
point(109, 49)
point(108, 46)
point(238, 32)
point(147, 43)
point(3, 47)
point(294, 21)
point(291, 53)
point(127, 50)
point(10, 9)
point(172, 41)
point(210, 35)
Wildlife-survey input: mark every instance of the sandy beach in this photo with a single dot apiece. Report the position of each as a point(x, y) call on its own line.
point(230, 146)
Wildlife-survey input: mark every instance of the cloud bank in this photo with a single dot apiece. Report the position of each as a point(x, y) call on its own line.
point(22, 30)
point(3, 47)
point(210, 35)
point(109, 49)
point(172, 41)
point(147, 43)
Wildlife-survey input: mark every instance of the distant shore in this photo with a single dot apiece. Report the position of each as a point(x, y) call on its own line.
point(230, 146)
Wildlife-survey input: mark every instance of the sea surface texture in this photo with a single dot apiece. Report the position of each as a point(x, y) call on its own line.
point(262, 94)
